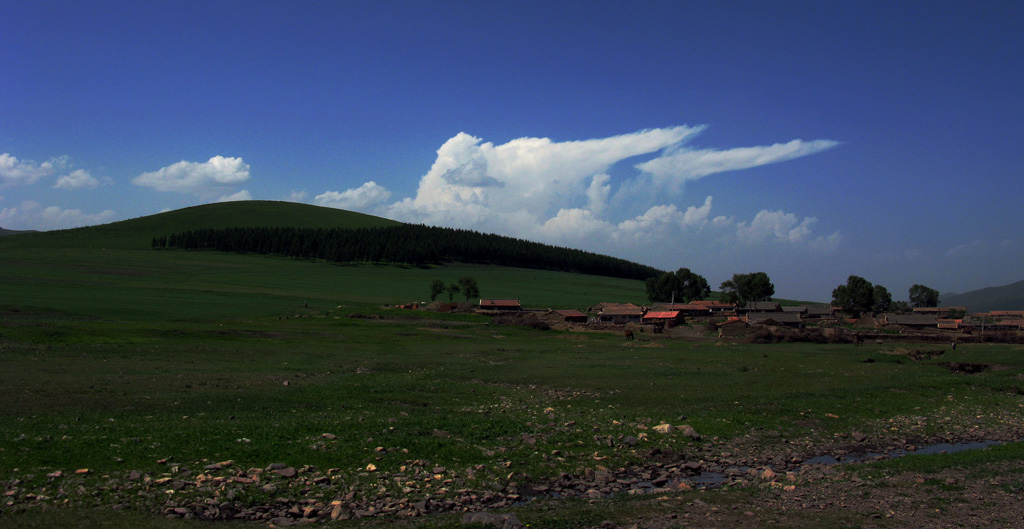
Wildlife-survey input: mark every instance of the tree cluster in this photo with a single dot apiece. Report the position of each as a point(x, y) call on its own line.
point(466, 285)
point(744, 288)
point(858, 296)
point(407, 244)
point(682, 286)
point(922, 296)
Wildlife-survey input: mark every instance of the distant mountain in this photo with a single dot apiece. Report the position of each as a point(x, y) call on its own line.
point(1008, 297)
point(13, 232)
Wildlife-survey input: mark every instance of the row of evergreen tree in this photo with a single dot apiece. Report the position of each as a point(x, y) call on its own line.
point(407, 244)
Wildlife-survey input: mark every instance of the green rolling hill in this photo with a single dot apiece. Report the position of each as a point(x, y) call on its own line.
point(138, 233)
point(112, 271)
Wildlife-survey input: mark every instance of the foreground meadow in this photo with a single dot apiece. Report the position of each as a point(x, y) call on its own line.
point(165, 388)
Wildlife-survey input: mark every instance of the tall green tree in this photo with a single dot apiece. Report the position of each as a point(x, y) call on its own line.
point(856, 296)
point(744, 288)
point(882, 299)
point(452, 290)
point(899, 307)
point(922, 296)
point(437, 288)
point(682, 286)
point(469, 288)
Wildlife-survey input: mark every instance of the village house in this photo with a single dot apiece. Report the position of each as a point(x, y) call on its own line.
point(684, 309)
point(953, 324)
point(941, 311)
point(667, 318)
point(619, 313)
point(500, 305)
point(911, 320)
point(1005, 315)
point(759, 306)
point(1008, 325)
point(568, 316)
point(774, 319)
point(795, 309)
point(819, 311)
point(715, 306)
point(732, 327)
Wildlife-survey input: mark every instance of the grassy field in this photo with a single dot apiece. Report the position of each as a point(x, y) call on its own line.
point(160, 363)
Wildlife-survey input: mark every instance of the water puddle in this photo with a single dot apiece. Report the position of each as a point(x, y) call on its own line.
point(940, 448)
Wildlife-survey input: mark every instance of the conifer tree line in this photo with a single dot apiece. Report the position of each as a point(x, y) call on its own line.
point(407, 244)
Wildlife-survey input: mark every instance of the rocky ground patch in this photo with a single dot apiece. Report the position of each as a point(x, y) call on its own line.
point(779, 484)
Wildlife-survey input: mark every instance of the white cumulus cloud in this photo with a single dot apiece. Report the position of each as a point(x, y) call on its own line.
point(80, 179)
point(206, 180)
point(32, 214)
point(472, 181)
point(577, 193)
point(235, 197)
point(363, 198)
point(775, 225)
point(24, 172)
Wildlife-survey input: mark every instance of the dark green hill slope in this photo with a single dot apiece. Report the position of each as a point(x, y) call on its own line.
point(1007, 297)
point(138, 233)
point(312, 232)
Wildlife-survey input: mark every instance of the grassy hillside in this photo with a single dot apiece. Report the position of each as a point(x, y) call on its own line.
point(111, 271)
point(1007, 297)
point(138, 233)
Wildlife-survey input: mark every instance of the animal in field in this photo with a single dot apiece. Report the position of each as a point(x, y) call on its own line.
point(858, 339)
point(629, 335)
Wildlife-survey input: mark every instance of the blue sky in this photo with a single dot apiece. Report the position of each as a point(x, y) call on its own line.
point(808, 140)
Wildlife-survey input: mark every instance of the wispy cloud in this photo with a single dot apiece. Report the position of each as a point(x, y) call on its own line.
point(687, 164)
point(973, 248)
point(206, 180)
point(32, 214)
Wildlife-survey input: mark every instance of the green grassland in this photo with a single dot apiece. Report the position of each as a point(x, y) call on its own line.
point(118, 358)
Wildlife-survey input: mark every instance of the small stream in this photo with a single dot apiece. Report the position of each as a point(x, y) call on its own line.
point(940, 448)
point(715, 479)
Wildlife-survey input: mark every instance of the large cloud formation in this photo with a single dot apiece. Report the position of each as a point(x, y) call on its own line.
point(564, 193)
point(206, 180)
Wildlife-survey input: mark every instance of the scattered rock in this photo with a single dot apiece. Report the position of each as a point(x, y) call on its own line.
point(287, 472)
point(688, 431)
point(664, 428)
